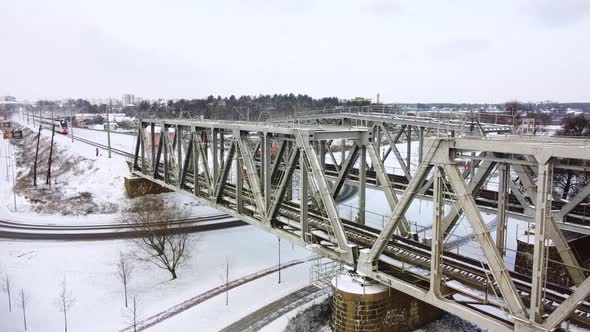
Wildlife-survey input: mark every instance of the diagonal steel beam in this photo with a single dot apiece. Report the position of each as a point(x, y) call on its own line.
point(187, 162)
point(568, 306)
point(251, 174)
point(495, 261)
point(387, 186)
point(331, 154)
point(522, 200)
point(569, 206)
point(396, 152)
point(525, 177)
point(222, 178)
point(403, 205)
point(202, 155)
point(278, 158)
point(283, 185)
point(158, 156)
point(474, 187)
point(565, 252)
point(347, 165)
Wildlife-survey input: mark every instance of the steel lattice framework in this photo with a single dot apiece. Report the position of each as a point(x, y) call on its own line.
point(251, 171)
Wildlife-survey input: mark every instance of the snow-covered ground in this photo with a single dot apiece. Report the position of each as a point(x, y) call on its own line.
point(39, 267)
point(101, 176)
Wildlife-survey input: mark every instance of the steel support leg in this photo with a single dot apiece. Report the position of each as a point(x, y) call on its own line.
point(437, 234)
point(362, 185)
point(267, 169)
point(215, 156)
point(420, 144)
point(543, 207)
point(504, 174)
point(303, 193)
point(409, 149)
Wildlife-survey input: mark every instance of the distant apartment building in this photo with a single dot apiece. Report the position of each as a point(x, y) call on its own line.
point(128, 99)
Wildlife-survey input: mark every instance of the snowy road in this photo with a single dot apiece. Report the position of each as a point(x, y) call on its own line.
point(270, 312)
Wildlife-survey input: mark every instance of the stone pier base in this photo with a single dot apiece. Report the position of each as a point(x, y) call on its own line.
point(358, 306)
point(138, 186)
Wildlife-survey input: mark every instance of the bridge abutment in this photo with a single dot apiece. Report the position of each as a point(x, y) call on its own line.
point(361, 305)
point(136, 186)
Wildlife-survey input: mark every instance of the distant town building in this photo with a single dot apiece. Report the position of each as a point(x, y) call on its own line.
point(7, 99)
point(128, 99)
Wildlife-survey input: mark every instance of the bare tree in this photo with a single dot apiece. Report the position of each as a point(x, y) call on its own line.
point(125, 269)
point(160, 242)
point(6, 289)
point(22, 302)
point(64, 302)
point(224, 276)
point(132, 313)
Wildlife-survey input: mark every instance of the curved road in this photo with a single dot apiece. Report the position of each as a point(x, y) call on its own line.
point(13, 230)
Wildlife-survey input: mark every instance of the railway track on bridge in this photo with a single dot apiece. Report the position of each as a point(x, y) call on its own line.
point(465, 270)
point(410, 260)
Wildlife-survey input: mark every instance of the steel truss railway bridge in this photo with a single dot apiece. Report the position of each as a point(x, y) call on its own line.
point(251, 170)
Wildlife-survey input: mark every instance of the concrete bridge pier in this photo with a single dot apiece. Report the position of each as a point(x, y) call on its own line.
point(362, 305)
point(136, 186)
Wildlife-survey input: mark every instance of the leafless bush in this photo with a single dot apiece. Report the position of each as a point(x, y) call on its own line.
point(159, 243)
point(64, 301)
point(132, 313)
point(6, 289)
point(125, 270)
point(22, 303)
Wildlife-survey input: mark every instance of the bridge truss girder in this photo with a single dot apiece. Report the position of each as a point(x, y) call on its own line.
point(255, 184)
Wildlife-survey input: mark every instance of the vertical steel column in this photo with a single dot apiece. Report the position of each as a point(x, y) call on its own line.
point(543, 206)
point(437, 233)
point(377, 135)
point(142, 141)
point(239, 173)
point(323, 154)
point(153, 137)
point(221, 147)
point(215, 156)
point(420, 144)
point(165, 143)
point(288, 151)
point(504, 173)
point(239, 186)
point(179, 162)
point(362, 184)
point(266, 150)
point(196, 182)
point(377, 138)
point(303, 186)
point(342, 151)
point(409, 149)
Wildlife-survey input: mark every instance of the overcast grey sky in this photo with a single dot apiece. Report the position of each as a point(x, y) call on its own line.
point(409, 51)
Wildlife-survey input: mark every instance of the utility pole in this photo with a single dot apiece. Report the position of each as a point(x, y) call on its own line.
point(48, 179)
point(109, 127)
point(36, 156)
